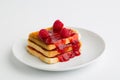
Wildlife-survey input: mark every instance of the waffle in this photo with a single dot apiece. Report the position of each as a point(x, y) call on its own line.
point(42, 57)
point(54, 44)
point(47, 53)
point(34, 38)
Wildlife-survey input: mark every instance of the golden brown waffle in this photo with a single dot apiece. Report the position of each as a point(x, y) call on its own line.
point(48, 53)
point(42, 57)
point(34, 38)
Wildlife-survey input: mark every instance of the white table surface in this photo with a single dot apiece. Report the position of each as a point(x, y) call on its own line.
point(19, 17)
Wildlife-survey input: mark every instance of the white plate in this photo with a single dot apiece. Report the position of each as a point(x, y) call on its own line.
point(92, 47)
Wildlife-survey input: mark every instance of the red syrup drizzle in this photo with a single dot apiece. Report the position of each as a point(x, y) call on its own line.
point(55, 38)
point(75, 52)
point(65, 56)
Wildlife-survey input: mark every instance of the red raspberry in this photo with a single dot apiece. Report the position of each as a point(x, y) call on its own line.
point(57, 26)
point(65, 33)
point(43, 34)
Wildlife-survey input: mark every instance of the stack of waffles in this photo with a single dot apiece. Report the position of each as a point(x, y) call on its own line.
point(54, 44)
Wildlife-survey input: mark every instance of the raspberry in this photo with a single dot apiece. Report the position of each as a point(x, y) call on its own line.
point(43, 34)
point(65, 33)
point(57, 26)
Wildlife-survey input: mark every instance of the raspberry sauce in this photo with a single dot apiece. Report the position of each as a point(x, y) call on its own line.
point(75, 52)
point(61, 47)
point(57, 35)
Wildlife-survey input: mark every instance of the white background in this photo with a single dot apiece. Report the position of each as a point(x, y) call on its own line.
point(20, 17)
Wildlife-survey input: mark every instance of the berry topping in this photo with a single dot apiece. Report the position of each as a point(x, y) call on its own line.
point(57, 26)
point(65, 32)
point(43, 34)
point(61, 58)
point(56, 36)
point(75, 45)
point(77, 53)
point(66, 56)
point(48, 40)
point(72, 55)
